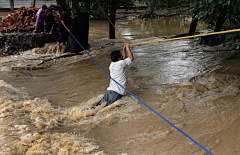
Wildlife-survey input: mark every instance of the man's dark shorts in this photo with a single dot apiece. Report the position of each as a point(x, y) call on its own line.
point(110, 97)
point(63, 34)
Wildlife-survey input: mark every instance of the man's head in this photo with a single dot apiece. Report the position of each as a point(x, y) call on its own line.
point(116, 55)
point(64, 10)
point(51, 10)
point(44, 8)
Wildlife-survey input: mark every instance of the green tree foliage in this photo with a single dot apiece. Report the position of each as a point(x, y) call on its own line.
point(175, 3)
point(77, 7)
point(106, 3)
point(220, 15)
point(158, 4)
point(82, 6)
point(166, 3)
point(153, 5)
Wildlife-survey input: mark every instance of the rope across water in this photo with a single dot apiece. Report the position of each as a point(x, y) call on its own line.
point(188, 37)
point(141, 100)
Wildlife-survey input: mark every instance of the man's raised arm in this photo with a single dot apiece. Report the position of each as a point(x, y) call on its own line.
point(130, 55)
point(124, 51)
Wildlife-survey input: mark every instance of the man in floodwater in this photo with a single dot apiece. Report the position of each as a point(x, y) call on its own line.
point(118, 73)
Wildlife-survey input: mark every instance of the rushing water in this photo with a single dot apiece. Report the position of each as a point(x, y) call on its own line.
point(44, 103)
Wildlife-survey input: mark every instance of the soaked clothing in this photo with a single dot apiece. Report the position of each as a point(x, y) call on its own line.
point(41, 16)
point(41, 25)
point(49, 21)
point(110, 97)
point(118, 73)
point(64, 18)
point(63, 33)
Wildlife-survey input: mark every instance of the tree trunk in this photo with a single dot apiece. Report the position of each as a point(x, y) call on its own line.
point(101, 15)
point(219, 24)
point(11, 6)
point(193, 25)
point(80, 28)
point(113, 6)
point(153, 7)
point(33, 2)
point(194, 22)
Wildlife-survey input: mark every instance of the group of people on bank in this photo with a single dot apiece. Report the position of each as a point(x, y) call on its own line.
point(45, 15)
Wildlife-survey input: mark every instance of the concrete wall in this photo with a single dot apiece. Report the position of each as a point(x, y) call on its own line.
point(34, 42)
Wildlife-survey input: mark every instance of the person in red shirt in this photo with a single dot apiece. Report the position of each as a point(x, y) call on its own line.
point(63, 29)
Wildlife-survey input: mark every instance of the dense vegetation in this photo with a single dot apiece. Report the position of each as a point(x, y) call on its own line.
point(220, 15)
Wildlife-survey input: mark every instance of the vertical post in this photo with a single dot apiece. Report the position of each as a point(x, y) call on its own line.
point(11, 6)
point(113, 7)
point(193, 25)
point(194, 22)
point(218, 27)
point(153, 7)
point(33, 2)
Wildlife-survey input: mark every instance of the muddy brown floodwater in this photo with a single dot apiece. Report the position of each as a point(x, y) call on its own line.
point(44, 104)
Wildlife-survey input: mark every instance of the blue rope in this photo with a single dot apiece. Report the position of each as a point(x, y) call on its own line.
point(142, 101)
point(21, 41)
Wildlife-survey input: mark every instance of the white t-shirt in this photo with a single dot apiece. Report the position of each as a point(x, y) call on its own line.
point(118, 73)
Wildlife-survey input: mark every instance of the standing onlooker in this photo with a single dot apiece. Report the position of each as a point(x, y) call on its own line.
point(49, 21)
point(63, 26)
point(41, 16)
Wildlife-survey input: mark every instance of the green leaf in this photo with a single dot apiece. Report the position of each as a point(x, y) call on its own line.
point(238, 21)
point(237, 46)
point(229, 2)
